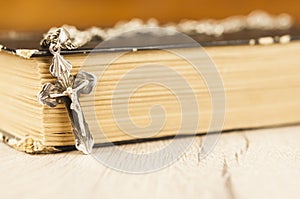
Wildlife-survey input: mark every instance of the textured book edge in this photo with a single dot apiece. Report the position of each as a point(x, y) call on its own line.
point(29, 145)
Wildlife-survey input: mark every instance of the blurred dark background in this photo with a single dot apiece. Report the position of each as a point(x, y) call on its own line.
point(40, 15)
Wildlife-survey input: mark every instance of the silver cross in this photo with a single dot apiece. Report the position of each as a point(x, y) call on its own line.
point(67, 90)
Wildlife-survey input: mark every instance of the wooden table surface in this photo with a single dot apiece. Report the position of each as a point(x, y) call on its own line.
point(247, 164)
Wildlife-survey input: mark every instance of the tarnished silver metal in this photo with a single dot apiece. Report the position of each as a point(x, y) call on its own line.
point(67, 89)
point(254, 21)
point(58, 38)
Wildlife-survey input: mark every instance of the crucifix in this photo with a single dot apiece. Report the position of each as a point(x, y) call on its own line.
point(68, 88)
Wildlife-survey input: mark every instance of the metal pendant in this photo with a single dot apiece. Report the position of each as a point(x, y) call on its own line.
point(67, 90)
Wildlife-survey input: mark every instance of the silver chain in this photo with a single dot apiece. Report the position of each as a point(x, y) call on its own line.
point(255, 20)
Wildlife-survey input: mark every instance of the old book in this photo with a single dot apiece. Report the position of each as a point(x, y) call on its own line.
point(259, 69)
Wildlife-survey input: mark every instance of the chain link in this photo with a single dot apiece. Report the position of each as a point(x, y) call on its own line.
point(255, 20)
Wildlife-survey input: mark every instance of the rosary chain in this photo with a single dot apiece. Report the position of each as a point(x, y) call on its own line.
point(255, 20)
